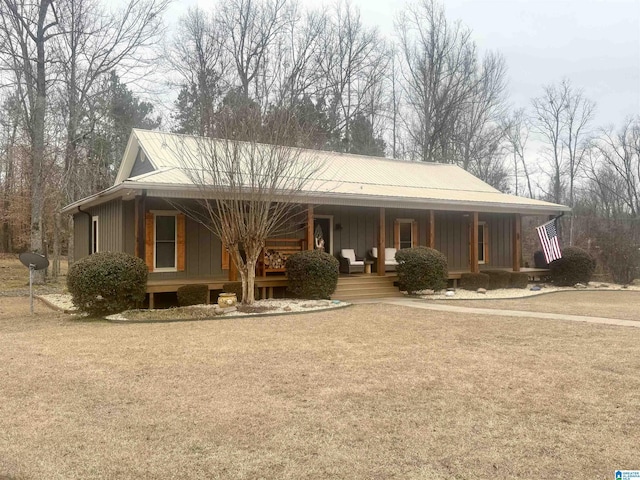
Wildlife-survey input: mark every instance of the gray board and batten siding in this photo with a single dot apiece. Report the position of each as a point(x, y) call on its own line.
point(357, 228)
point(354, 227)
point(111, 228)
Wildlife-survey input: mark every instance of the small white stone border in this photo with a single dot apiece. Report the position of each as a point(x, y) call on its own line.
point(515, 293)
point(284, 306)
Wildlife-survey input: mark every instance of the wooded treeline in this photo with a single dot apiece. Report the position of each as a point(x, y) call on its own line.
point(70, 95)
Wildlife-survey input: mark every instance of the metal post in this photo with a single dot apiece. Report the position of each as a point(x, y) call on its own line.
point(31, 267)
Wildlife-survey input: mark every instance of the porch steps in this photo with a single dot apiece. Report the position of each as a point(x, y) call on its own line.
point(357, 287)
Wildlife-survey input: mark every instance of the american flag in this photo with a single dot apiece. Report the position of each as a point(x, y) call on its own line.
point(548, 234)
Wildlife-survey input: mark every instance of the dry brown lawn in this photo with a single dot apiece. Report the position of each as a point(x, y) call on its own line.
point(624, 305)
point(14, 277)
point(366, 392)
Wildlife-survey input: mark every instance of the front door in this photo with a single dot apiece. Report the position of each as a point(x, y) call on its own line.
point(323, 234)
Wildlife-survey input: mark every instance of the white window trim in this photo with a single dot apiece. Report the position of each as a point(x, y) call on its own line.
point(484, 243)
point(95, 241)
point(165, 213)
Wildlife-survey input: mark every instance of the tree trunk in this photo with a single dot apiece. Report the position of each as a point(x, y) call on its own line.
point(250, 297)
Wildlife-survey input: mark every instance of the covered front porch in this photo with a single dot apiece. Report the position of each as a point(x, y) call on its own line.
point(472, 241)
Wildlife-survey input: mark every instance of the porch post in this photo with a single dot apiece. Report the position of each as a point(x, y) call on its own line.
point(475, 268)
point(432, 230)
point(517, 246)
point(139, 228)
point(381, 243)
point(310, 239)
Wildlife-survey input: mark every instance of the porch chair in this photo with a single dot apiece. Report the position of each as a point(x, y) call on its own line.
point(350, 262)
point(390, 262)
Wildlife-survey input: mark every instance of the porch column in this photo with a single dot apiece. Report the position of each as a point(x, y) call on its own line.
point(381, 243)
point(475, 268)
point(310, 239)
point(139, 228)
point(431, 239)
point(517, 246)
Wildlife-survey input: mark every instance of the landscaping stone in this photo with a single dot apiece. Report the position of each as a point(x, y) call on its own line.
point(222, 311)
point(536, 288)
point(580, 286)
point(450, 293)
point(482, 290)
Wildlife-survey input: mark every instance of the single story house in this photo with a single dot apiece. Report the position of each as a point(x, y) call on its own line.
point(358, 203)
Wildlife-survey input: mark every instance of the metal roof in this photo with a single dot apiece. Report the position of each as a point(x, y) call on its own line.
point(340, 179)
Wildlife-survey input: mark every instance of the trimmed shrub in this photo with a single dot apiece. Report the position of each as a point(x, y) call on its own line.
point(421, 268)
point(498, 279)
point(107, 282)
point(474, 281)
point(197, 294)
point(575, 266)
point(312, 274)
point(519, 280)
point(539, 261)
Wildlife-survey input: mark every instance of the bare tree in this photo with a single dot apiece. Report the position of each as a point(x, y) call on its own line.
point(251, 189)
point(353, 61)
point(477, 136)
point(250, 28)
point(198, 57)
point(578, 115)
point(438, 61)
point(614, 166)
point(516, 131)
point(562, 116)
point(27, 29)
point(292, 61)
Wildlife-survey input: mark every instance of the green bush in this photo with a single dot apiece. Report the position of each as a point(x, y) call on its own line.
point(519, 280)
point(312, 274)
point(575, 266)
point(474, 281)
point(498, 279)
point(197, 294)
point(108, 282)
point(421, 268)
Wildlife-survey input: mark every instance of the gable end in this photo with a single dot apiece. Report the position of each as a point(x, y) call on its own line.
point(141, 164)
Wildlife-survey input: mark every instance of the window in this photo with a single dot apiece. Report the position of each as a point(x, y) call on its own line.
point(483, 257)
point(406, 234)
point(94, 235)
point(165, 242)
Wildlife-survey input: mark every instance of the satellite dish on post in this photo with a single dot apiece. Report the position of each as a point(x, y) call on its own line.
point(33, 261)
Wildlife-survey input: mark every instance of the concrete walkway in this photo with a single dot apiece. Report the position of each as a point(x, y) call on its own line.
point(425, 305)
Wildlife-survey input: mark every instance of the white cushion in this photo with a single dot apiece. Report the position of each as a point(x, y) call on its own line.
point(349, 254)
point(356, 262)
point(389, 254)
point(374, 252)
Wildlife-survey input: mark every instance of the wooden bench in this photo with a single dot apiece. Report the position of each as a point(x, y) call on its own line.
point(275, 253)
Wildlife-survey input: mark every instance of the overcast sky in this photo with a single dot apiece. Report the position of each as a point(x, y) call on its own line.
point(596, 44)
